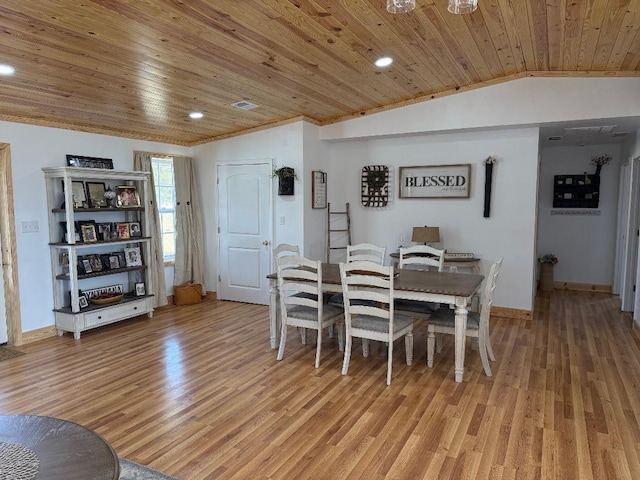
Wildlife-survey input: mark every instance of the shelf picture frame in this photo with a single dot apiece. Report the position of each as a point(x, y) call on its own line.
point(88, 232)
point(123, 230)
point(140, 289)
point(95, 194)
point(435, 181)
point(78, 194)
point(133, 257)
point(89, 162)
point(135, 230)
point(127, 196)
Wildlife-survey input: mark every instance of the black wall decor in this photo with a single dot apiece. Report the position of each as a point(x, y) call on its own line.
point(286, 179)
point(488, 166)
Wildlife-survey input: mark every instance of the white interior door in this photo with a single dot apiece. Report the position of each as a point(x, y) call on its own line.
point(244, 238)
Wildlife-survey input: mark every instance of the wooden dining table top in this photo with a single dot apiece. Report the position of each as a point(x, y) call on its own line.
point(426, 281)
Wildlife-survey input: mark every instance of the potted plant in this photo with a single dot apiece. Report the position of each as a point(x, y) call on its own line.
point(286, 177)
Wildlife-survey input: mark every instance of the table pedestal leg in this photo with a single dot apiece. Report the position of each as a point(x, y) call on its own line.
point(461, 327)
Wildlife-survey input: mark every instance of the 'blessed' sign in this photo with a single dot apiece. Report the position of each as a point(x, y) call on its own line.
point(437, 181)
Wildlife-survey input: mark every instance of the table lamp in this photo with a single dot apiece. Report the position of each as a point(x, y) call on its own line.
point(426, 235)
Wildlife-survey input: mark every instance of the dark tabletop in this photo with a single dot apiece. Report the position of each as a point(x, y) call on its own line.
point(66, 450)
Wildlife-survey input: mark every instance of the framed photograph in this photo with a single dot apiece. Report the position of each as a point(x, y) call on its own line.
point(140, 290)
point(95, 261)
point(104, 231)
point(122, 262)
point(86, 266)
point(83, 302)
point(123, 230)
point(135, 230)
point(105, 259)
point(318, 189)
point(95, 192)
point(114, 262)
point(89, 162)
point(435, 181)
point(88, 231)
point(128, 196)
point(79, 194)
point(133, 257)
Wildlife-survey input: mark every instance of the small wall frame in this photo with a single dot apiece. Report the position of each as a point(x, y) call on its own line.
point(318, 189)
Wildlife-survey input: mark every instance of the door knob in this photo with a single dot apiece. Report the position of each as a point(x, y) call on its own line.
point(266, 242)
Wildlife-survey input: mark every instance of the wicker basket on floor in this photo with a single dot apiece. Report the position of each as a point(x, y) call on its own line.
point(187, 293)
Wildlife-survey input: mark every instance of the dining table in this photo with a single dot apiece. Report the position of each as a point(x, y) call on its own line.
point(454, 289)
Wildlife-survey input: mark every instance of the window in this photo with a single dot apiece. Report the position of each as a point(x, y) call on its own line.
point(166, 198)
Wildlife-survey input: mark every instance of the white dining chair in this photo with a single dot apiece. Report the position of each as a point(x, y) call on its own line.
point(424, 257)
point(366, 252)
point(443, 321)
point(301, 305)
point(369, 314)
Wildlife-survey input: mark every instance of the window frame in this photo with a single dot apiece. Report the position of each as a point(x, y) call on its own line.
point(156, 162)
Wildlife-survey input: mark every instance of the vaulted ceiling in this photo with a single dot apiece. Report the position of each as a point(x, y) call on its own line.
point(136, 68)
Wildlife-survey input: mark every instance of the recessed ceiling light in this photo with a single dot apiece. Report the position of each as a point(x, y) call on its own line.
point(196, 115)
point(7, 70)
point(384, 62)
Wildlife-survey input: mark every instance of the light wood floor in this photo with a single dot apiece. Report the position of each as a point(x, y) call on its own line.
point(197, 393)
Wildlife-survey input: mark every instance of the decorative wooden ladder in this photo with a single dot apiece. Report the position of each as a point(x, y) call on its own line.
point(336, 235)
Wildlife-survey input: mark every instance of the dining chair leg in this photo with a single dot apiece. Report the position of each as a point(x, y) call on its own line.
point(318, 347)
point(389, 362)
point(487, 342)
point(431, 342)
point(330, 331)
point(341, 336)
point(303, 335)
point(474, 343)
point(347, 354)
point(408, 346)
point(439, 343)
point(483, 353)
point(283, 340)
point(365, 347)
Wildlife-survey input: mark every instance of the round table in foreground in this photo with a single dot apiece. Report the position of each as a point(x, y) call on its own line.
point(65, 450)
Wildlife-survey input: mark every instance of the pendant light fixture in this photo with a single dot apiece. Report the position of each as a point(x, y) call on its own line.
point(462, 6)
point(400, 6)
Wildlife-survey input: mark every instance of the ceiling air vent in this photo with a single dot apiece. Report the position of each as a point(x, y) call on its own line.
point(620, 134)
point(244, 105)
point(555, 138)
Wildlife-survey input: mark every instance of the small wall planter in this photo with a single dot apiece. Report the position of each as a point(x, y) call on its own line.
point(286, 180)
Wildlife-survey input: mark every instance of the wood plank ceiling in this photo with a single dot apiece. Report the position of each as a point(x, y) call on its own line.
point(136, 68)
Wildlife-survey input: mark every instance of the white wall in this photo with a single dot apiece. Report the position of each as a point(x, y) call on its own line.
point(31, 149)
point(510, 230)
point(316, 157)
point(585, 245)
point(526, 101)
point(284, 146)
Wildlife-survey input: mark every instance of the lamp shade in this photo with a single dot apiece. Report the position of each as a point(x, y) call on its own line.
point(400, 6)
point(462, 6)
point(426, 234)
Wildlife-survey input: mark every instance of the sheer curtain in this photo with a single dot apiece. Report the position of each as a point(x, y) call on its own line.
point(189, 264)
point(142, 162)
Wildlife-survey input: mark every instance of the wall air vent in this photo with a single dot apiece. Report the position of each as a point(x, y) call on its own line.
point(244, 105)
point(555, 138)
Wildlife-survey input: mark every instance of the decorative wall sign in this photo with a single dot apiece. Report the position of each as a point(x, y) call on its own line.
point(488, 168)
point(89, 162)
point(435, 181)
point(375, 186)
point(318, 189)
